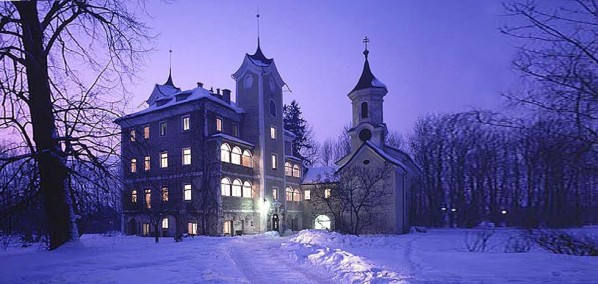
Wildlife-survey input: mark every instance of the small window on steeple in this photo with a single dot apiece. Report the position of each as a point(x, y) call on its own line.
point(364, 110)
point(272, 108)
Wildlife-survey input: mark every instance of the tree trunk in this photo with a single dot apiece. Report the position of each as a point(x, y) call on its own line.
point(60, 216)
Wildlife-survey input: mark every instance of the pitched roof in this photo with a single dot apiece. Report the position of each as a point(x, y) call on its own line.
point(367, 79)
point(258, 58)
point(381, 153)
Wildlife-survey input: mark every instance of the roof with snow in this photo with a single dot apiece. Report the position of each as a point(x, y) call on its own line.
point(380, 152)
point(258, 58)
point(319, 175)
point(232, 138)
point(181, 97)
point(367, 79)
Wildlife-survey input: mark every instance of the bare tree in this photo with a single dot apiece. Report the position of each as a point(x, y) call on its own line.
point(56, 59)
point(356, 197)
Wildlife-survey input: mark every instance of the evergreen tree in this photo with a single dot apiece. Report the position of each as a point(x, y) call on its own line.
point(294, 122)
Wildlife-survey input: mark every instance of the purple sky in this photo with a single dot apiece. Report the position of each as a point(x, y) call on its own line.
point(433, 56)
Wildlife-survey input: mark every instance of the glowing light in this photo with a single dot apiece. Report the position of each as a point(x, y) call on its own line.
point(453, 209)
point(504, 212)
point(443, 208)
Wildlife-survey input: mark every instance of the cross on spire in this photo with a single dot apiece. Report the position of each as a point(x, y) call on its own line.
point(170, 59)
point(366, 52)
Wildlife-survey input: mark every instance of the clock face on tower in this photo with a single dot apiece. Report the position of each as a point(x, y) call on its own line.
point(365, 135)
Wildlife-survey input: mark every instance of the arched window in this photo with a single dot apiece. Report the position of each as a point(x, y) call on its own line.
point(148, 198)
point(322, 222)
point(237, 187)
point(272, 108)
point(246, 159)
point(364, 110)
point(225, 153)
point(296, 195)
point(236, 156)
point(296, 171)
point(247, 189)
point(289, 194)
point(288, 170)
point(225, 186)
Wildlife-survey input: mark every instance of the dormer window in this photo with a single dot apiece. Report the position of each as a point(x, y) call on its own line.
point(364, 110)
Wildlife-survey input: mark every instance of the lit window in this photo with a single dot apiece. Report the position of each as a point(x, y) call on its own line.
point(296, 195)
point(235, 130)
point(146, 229)
point(187, 192)
point(273, 132)
point(272, 108)
point(274, 161)
point(327, 193)
point(246, 159)
point(225, 187)
point(148, 198)
point(186, 123)
point(165, 223)
point(307, 194)
point(237, 187)
point(146, 163)
point(225, 153)
point(288, 170)
point(275, 193)
point(192, 228)
point(227, 227)
point(163, 128)
point(186, 156)
point(146, 132)
point(296, 171)
point(133, 165)
point(132, 135)
point(247, 189)
point(236, 156)
point(134, 196)
point(165, 194)
point(289, 194)
point(164, 160)
point(364, 110)
point(219, 124)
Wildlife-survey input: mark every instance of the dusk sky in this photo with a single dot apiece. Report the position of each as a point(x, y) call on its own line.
point(433, 56)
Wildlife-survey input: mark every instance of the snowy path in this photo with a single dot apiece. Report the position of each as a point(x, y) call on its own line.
point(261, 260)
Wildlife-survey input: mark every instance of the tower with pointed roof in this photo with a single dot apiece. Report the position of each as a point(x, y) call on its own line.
point(367, 107)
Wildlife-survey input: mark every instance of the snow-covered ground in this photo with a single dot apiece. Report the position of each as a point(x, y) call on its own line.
point(438, 256)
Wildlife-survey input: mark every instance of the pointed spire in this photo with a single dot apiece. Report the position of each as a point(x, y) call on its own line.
point(259, 55)
point(169, 80)
point(367, 79)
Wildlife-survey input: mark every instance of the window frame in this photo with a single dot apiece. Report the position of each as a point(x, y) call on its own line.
point(274, 161)
point(273, 133)
point(237, 188)
point(288, 194)
point(165, 223)
point(133, 165)
point(307, 194)
point(132, 135)
point(187, 192)
point(275, 193)
point(227, 150)
point(228, 185)
point(148, 198)
point(164, 160)
point(147, 163)
point(146, 132)
point(164, 194)
point(219, 124)
point(235, 130)
point(246, 160)
point(185, 123)
point(186, 155)
point(296, 171)
point(162, 128)
point(235, 155)
point(134, 196)
point(288, 169)
point(247, 190)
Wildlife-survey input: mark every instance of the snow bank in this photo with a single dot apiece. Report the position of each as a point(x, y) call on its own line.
point(313, 246)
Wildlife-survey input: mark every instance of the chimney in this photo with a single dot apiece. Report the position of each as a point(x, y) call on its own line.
point(218, 91)
point(200, 84)
point(226, 95)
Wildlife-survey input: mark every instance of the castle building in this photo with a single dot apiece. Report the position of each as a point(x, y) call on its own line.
point(196, 162)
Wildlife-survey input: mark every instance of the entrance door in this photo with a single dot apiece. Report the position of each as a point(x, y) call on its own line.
point(132, 227)
point(275, 222)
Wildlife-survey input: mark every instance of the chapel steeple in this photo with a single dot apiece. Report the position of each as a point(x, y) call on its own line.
point(366, 99)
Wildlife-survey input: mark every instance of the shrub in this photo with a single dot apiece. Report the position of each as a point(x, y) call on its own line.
point(518, 243)
point(562, 242)
point(476, 240)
